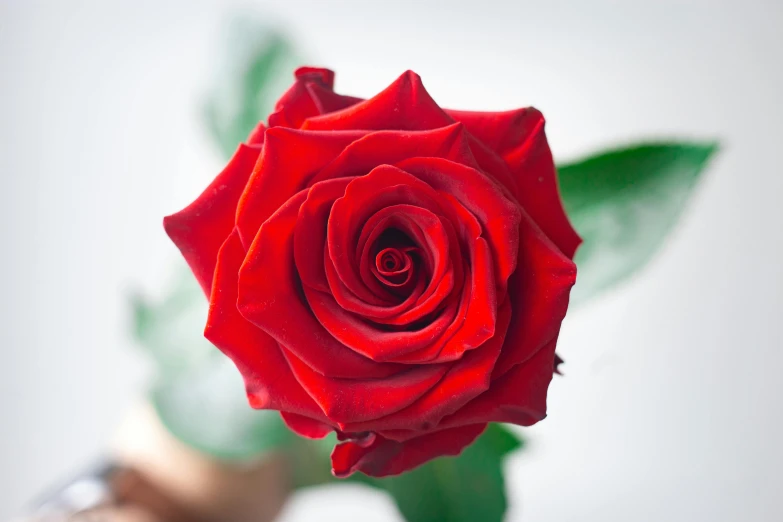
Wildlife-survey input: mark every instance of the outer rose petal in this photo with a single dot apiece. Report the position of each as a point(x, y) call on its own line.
point(305, 426)
point(201, 228)
point(519, 397)
point(540, 195)
point(518, 137)
point(283, 170)
point(320, 75)
point(326, 100)
point(386, 457)
point(540, 288)
point(406, 105)
point(295, 106)
point(310, 95)
point(257, 135)
point(268, 379)
point(500, 131)
point(390, 147)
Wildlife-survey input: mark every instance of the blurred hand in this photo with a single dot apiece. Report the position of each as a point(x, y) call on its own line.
point(170, 482)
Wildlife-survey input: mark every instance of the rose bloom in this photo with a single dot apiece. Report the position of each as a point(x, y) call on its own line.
point(386, 269)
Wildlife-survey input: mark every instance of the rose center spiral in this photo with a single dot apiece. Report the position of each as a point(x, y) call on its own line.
point(391, 261)
point(395, 260)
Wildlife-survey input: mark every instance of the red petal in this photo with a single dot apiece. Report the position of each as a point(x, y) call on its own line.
point(297, 104)
point(269, 297)
point(326, 100)
point(321, 75)
point(500, 131)
point(518, 136)
point(310, 231)
point(453, 317)
point(494, 165)
point(357, 400)
point(481, 314)
point(305, 426)
point(289, 159)
point(539, 291)
point(257, 135)
point(482, 301)
point(518, 397)
point(404, 105)
point(268, 379)
point(392, 146)
point(386, 457)
point(311, 94)
point(363, 337)
point(201, 228)
point(293, 107)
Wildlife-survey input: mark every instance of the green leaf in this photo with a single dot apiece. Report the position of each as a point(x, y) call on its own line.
point(623, 203)
point(256, 69)
point(465, 488)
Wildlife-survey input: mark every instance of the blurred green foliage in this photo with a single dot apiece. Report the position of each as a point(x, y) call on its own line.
point(624, 203)
point(257, 67)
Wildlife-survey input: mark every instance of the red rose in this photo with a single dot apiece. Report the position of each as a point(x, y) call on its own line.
point(386, 269)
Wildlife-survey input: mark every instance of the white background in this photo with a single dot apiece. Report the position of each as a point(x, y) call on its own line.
point(671, 407)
